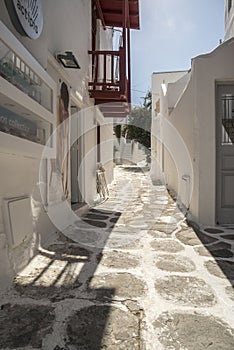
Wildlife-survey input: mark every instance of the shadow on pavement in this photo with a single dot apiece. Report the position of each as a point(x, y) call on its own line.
point(214, 242)
point(60, 271)
point(218, 244)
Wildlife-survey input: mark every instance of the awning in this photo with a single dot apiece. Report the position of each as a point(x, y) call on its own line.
point(111, 13)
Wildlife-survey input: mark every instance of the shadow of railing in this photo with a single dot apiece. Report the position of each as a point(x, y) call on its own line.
point(63, 271)
point(217, 243)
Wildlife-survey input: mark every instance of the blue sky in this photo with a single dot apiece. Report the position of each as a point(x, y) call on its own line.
point(172, 32)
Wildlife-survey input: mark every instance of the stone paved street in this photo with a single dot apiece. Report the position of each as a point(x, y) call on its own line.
point(133, 274)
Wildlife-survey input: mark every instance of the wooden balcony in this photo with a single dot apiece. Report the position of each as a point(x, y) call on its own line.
point(109, 82)
point(111, 70)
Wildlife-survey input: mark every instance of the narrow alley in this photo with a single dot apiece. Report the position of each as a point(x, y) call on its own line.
point(133, 274)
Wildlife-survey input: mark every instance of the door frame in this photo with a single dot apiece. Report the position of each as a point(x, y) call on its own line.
point(218, 155)
point(80, 156)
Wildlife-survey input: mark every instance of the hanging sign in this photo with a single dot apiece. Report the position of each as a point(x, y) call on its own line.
point(26, 16)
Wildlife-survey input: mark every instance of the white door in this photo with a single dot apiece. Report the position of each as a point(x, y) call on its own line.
point(225, 154)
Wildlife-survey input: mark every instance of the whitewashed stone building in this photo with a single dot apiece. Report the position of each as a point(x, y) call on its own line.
point(56, 64)
point(193, 142)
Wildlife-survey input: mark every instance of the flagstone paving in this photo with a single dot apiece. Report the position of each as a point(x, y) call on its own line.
point(174, 263)
point(193, 331)
point(130, 274)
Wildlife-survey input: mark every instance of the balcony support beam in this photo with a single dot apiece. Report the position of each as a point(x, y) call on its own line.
point(100, 13)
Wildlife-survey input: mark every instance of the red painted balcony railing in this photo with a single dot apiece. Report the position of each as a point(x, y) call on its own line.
point(109, 81)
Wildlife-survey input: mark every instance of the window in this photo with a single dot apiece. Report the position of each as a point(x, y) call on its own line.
point(19, 121)
point(227, 119)
point(229, 5)
point(24, 125)
point(15, 70)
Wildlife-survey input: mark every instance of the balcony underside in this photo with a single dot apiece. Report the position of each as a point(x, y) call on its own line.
point(111, 13)
point(115, 110)
point(112, 104)
point(101, 96)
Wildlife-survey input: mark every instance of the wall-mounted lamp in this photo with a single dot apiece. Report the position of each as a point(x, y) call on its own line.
point(68, 60)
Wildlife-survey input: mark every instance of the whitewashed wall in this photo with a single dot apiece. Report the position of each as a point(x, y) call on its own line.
point(67, 27)
point(157, 148)
point(194, 117)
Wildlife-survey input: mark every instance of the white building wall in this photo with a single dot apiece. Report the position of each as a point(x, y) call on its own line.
point(157, 149)
point(67, 27)
point(194, 117)
point(182, 120)
point(159, 78)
